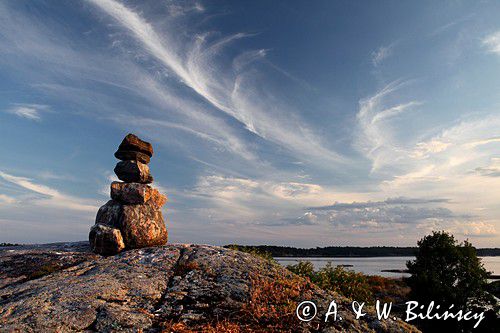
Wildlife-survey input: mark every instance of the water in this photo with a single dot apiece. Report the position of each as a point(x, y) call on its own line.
point(375, 265)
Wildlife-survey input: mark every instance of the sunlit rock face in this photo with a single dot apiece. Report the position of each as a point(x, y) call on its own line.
point(142, 226)
point(135, 193)
point(133, 218)
point(66, 287)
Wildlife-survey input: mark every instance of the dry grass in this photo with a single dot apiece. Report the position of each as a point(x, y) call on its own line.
point(270, 308)
point(388, 290)
point(219, 327)
point(273, 301)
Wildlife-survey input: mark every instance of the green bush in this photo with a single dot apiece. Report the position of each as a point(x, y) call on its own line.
point(303, 268)
point(336, 278)
point(253, 251)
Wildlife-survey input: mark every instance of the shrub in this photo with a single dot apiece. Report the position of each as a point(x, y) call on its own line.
point(388, 289)
point(346, 282)
point(338, 279)
point(303, 268)
point(253, 251)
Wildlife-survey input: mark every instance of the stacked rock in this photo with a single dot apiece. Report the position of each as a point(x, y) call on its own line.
point(132, 218)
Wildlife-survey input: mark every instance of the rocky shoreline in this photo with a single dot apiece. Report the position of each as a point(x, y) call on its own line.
point(66, 287)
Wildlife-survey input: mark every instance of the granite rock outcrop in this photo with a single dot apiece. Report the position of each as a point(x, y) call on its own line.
point(185, 288)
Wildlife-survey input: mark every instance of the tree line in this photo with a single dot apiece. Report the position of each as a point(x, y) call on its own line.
point(345, 251)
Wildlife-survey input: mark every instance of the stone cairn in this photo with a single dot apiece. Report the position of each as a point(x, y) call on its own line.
point(132, 218)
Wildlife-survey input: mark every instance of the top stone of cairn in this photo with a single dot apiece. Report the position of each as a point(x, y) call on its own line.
point(133, 148)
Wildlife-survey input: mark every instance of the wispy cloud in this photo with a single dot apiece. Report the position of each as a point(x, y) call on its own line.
point(399, 215)
point(425, 149)
point(175, 9)
point(244, 59)
point(430, 162)
point(104, 189)
point(227, 90)
point(49, 175)
point(50, 197)
point(28, 111)
point(491, 170)
point(260, 200)
point(492, 42)
point(381, 54)
point(255, 142)
point(387, 202)
point(376, 135)
point(481, 142)
point(307, 219)
point(5, 199)
point(84, 78)
point(387, 215)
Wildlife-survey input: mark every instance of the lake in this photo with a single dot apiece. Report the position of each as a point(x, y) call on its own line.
point(374, 265)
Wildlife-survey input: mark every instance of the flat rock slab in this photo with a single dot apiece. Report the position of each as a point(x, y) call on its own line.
point(23, 263)
point(133, 172)
point(127, 155)
point(136, 193)
point(132, 143)
point(101, 294)
point(145, 290)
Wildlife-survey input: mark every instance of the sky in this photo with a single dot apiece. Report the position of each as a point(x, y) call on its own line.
point(299, 123)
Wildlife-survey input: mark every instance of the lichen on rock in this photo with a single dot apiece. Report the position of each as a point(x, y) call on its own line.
point(172, 288)
point(150, 231)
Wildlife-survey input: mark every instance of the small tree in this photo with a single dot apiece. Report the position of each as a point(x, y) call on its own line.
point(448, 272)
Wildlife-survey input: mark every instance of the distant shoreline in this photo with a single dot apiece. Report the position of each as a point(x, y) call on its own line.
point(332, 251)
point(361, 256)
point(346, 251)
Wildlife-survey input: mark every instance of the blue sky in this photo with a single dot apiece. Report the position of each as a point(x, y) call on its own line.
point(304, 123)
